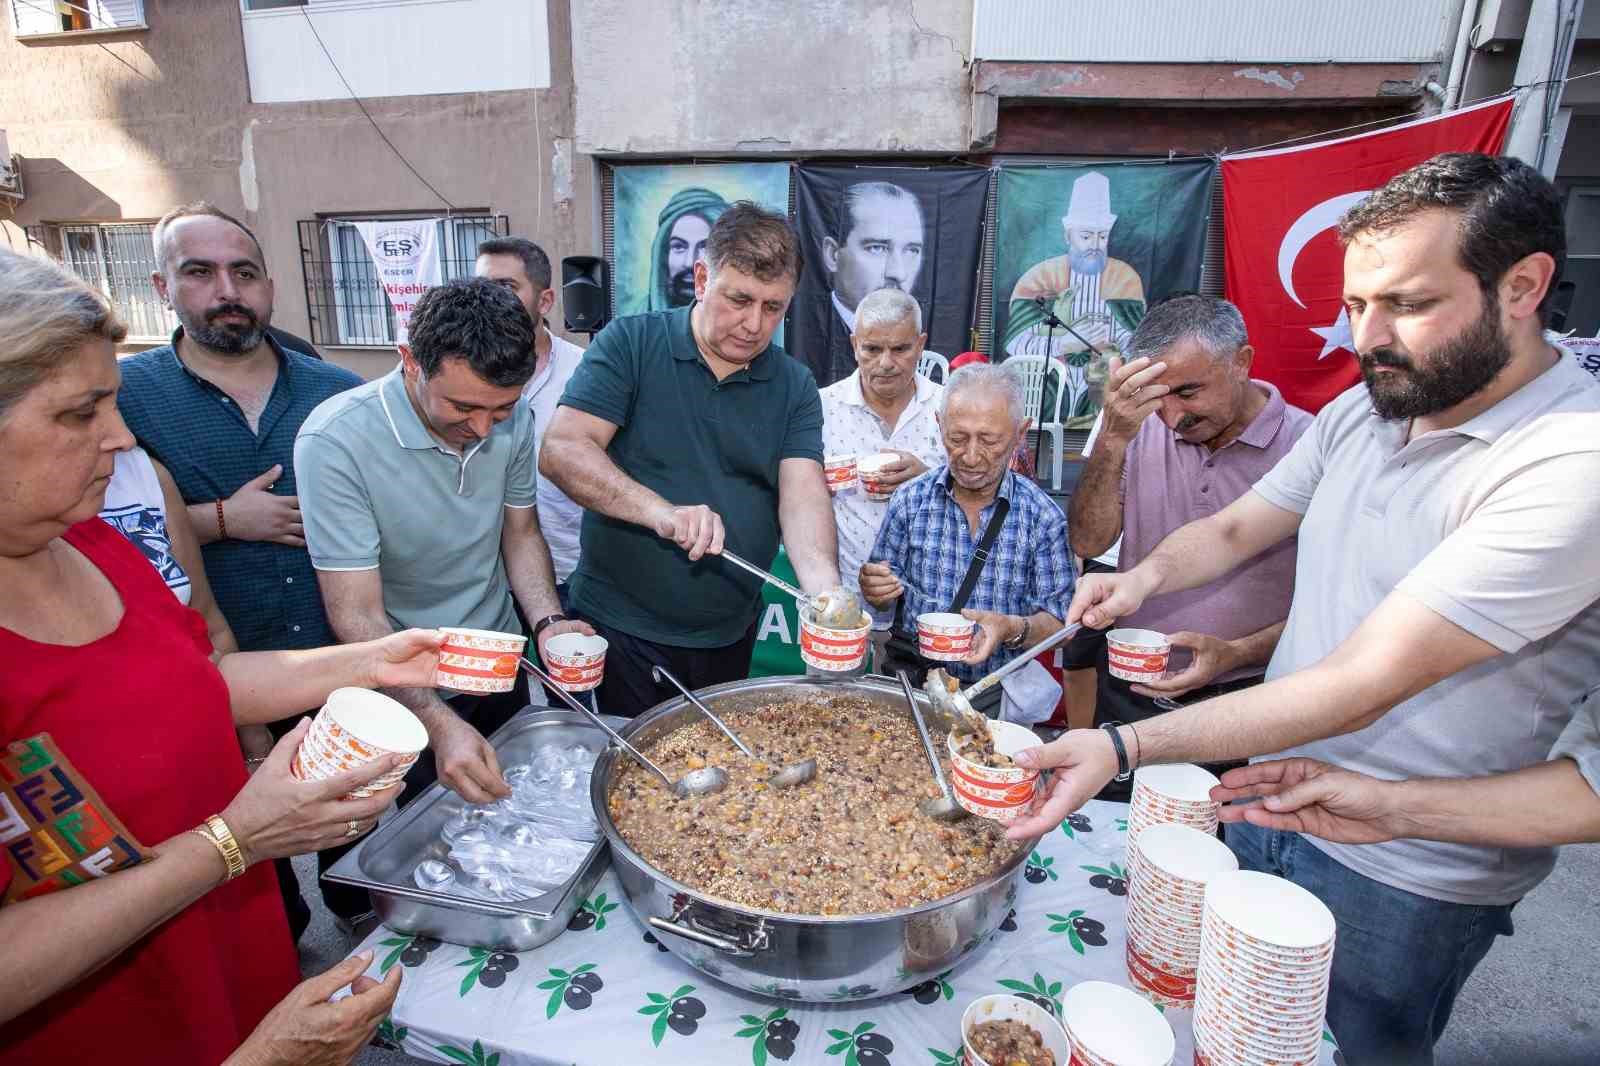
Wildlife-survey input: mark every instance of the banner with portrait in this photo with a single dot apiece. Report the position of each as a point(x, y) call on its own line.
point(661, 216)
point(1081, 250)
point(918, 229)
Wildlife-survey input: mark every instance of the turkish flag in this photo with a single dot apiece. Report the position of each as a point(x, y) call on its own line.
point(1285, 268)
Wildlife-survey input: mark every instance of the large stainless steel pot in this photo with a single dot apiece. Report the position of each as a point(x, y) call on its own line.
point(815, 958)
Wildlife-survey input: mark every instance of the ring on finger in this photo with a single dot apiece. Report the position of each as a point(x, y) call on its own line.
point(352, 828)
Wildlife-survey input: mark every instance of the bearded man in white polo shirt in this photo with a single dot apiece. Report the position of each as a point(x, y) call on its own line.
point(1445, 617)
point(885, 406)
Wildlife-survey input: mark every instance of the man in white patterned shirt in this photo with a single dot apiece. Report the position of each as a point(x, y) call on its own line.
point(885, 406)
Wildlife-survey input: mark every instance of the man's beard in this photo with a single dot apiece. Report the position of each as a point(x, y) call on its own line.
point(225, 340)
point(1459, 369)
point(680, 288)
point(1091, 262)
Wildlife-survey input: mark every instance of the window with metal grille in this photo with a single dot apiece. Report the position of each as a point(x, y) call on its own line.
point(346, 304)
point(117, 258)
point(31, 18)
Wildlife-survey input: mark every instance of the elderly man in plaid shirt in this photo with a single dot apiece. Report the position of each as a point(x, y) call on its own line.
point(936, 522)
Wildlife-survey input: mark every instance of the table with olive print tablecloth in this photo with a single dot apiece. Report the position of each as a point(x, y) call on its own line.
point(605, 993)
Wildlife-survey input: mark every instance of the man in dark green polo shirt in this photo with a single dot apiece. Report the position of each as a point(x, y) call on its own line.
point(682, 431)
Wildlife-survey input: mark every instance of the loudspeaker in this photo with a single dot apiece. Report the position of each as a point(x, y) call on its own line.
point(585, 293)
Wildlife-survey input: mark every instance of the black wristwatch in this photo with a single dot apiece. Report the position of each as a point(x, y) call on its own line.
point(1124, 771)
point(545, 623)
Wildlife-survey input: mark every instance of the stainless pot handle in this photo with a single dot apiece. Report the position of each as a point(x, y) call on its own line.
point(710, 940)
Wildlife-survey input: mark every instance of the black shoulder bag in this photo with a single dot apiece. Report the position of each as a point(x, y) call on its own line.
point(901, 650)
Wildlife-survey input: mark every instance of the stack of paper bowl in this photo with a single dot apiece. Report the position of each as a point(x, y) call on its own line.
point(1109, 1026)
point(1266, 948)
point(1178, 794)
point(1166, 895)
point(353, 728)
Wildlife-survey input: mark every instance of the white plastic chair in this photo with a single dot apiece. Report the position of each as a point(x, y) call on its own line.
point(929, 360)
point(1034, 371)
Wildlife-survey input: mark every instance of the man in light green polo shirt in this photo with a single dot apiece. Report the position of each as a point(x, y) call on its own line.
point(683, 431)
point(417, 492)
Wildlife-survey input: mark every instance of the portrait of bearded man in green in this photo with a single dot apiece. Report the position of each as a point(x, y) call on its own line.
point(681, 232)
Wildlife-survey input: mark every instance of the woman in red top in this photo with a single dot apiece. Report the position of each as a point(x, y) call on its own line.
point(161, 962)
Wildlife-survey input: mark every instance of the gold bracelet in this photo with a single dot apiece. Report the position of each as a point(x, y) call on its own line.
point(222, 839)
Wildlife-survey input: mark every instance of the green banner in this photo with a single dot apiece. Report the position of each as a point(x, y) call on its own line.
point(1093, 245)
point(777, 652)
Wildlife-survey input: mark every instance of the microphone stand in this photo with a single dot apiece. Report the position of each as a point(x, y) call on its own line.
point(1052, 323)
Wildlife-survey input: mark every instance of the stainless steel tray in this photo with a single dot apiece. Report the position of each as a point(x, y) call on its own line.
point(383, 862)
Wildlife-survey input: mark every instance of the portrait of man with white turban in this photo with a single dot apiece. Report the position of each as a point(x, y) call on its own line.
point(1099, 297)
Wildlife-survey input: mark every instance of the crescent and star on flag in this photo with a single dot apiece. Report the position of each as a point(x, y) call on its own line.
point(1326, 215)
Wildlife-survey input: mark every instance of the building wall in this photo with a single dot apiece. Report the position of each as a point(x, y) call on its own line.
point(160, 117)
point(771, 77)
point(389, 49)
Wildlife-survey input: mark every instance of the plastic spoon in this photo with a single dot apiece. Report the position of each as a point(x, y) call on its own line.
point(694, 783)
point(793, 774)
point(943, 807)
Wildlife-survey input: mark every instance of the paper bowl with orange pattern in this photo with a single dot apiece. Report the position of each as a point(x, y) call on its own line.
point(869, 468)
point(1138, 655)
point(830, 648)
point(576, 661)
point(944, 636)
point(840, 472)
point(479, 660)
point(353, 728)
point(1000, 793)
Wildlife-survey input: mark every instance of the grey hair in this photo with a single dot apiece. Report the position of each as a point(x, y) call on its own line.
point(888, 307)
point(46, 316)
point(1210, 320)
point(989, 377)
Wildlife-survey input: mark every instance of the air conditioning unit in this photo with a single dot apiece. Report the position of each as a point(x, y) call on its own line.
point(10, 171)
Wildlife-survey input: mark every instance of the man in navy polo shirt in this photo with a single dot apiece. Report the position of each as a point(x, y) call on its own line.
point(682, 431)
point(219, 407)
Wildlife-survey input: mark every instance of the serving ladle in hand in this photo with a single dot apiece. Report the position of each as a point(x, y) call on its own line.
point(819, 605)
point(793, 774)
point(958, 705)
point(943, 807)
point(694, 783)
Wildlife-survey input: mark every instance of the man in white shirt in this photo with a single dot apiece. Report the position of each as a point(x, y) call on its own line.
point(885, 406)
point(523, 267)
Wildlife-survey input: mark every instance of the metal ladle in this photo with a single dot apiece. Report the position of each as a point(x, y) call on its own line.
point(814, 602)
point(793, 774)
point(694, 783)
point(958, 705)
point(943, 807)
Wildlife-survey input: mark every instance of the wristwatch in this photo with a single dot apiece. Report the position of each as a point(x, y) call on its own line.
point(1021, 638)
point(545, 623)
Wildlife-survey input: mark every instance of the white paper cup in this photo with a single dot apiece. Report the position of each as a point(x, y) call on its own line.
point(479, 660)
point(869, 468)
point(944, 636)
point(1113, 1025)
point(1004, 1008)
point(575, 661)
point(355, 727)
point(1138, 655)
